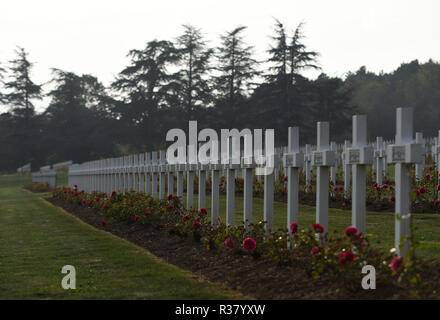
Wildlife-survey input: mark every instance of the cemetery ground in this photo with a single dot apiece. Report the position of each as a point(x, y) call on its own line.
point(38, 239)
point(246, 276)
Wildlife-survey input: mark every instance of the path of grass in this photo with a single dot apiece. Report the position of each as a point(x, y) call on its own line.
point(38, 239)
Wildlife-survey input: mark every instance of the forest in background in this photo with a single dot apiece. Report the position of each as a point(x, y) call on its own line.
point(167, 83)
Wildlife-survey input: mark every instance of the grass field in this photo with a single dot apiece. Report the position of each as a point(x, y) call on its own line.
point(38, 239)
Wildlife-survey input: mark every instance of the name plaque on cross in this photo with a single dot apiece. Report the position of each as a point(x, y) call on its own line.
point(294, 160)
point(359, 155)
point(406, 153)
point(325, 158)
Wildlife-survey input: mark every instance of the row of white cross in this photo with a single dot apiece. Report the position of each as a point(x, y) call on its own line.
point(148, 172)
point(46, 175)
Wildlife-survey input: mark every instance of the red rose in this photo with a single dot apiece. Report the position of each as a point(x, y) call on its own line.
point(314, 251)
point(103, 223)
point(249, 244)
point(136, 218)
point(422, 190)
point(318, 228)
point(345, 257)
point(294, 228)
point(351, 231)
point(229, 243)
point(396, 263)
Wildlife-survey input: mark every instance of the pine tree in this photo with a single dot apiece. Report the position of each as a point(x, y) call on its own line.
point(191, 84)
point(236, 68)
point(21, 90)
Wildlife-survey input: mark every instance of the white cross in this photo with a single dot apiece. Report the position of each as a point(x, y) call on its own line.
point(293, 160)
point(359, 156)
point(403, 153)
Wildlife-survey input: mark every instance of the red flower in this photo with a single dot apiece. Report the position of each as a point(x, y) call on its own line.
point(345, 257)
point(229, 243)
point(147, 212)
point(196, 225)
point(176, 211)
point(185, 217)
point(336, 189)
point(351, 231)
point(318, 228)
point(422, 190)
point(314, 251)
point(331, 182)
point(294, 228)
point(417, 192)
point(438, 187)
point(170, 206)
point(202, 212)
point(430, 168)
point(392, 199)
point(428, 176)
point(249, 244)
point(437, 203)
point(136, 218)
point(341, 188)
point(310, 187)
point(103, 223)
point(375, 185)
point(384, 186)
point(170, 197)
point(396, 263)
point(84, 203)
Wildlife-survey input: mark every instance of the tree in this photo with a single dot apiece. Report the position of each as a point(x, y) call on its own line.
point(288, 57)
point(2, 71)
point(77, 124)
point(191, 85)
point(145, 87)
point(236, 69)
point(236, 66)
point(21, 89)
point(298, 56)
point(332, 102)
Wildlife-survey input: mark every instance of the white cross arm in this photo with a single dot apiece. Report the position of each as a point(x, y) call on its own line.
point(293, 160)
point(326, 158)
point(405, 153)
point(359, 155)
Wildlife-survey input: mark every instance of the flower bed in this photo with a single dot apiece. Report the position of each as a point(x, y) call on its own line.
point(337, 260)
point(37, 187)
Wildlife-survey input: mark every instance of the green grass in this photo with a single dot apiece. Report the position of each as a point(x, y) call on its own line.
point(38, 239)
point(380, 225)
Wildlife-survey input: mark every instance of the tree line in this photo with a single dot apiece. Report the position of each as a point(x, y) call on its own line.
point(167, 83)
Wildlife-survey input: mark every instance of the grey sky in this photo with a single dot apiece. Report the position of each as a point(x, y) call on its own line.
point(91, 36)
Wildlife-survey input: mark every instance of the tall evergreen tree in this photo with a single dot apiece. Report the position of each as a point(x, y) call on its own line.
point(21, 90)
point(236, 66)
point(192, 85)
point(236, 69)
point(145, 86)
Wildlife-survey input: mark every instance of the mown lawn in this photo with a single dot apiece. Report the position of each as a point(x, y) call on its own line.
point(38, 239)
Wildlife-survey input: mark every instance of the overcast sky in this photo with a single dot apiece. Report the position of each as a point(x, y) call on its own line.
point(94, 36)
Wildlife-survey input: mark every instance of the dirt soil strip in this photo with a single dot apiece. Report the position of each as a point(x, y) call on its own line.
point(261, 279)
